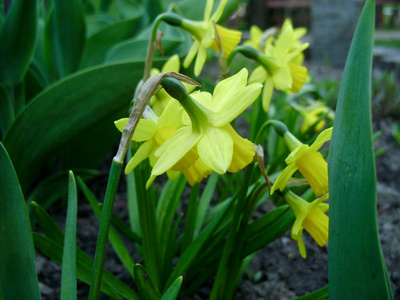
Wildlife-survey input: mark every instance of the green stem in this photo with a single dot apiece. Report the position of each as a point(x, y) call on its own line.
point(279, 127)
point(105, 221)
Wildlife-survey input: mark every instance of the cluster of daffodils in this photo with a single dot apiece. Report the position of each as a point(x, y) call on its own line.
point(194, 136)
point(189, 132)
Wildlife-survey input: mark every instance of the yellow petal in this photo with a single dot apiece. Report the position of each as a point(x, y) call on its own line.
point(204, 98)
point(200, 60)
point(121, 123)
point(317, 225)
point(172, 64)
point(267, 93)
point(197, 172)
point(218, 12)
point(284, 41)
point(282, 78)
point(283, 178)
point(215, 149)
point(323, 137)
point(181, 142)
point(243, 151)
point(141, 154)
point(296, 154)
point(191, 54)
point(299, 77)
point(229, 39)
point(208, 9)
point(259, 75)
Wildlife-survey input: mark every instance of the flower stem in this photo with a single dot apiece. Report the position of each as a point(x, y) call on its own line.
point(113, 180)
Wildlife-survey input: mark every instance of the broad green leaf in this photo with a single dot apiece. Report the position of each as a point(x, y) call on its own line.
point(97, 22)
point(99, 43)
point(65, 36)
point(72, 120)
point(173, 290)
point(146, 288)
point(17, 41)
point(17, 264)
point(356, 265)
point(6, 111)
point(68, 279)
point(52, 247)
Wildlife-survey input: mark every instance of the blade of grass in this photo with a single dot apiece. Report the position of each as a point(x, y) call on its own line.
point(68, 277)
point(173, 290)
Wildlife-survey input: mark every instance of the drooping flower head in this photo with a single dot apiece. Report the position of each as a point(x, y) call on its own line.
point(154, 132)
point(281, 63)
point(209, 132)
point(311, 114)
point(203, 33)
point(309, 216)
point(308, 161)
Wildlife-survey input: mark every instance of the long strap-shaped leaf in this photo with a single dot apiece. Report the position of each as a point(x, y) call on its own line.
point(68, 280)
point(356, 265)
point(17, 256)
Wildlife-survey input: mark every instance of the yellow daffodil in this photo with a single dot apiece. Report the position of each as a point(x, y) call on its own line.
point(203, 33)
point(209, 133)
point(281, 64)
point(160, 100)
point(255, 38)
point(154, 133)
point(308, 161)
point(311, 217)
point(311, 114)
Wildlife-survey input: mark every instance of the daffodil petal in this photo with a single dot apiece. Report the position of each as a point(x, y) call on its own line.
point(229, 39)
point(141, 154)
point(191, 54)
point(243, 151)
point(204, 98)
point(301, 245)
point(200, 60)
point(174, 149)
point(218, 12)
point(323, 137)
point(267, 94)
point(172, 64)
point(282, 78)
point(215, 149)
point(226, 112)
point(208, 9)
point(283, 178)
point(121, 123)
point(296, 154)
point(228, 87)
point(259, 75)
point(284, 41)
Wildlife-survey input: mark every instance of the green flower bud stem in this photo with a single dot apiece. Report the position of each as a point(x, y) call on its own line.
point(279, 127)
point(247, 51)
point(169, 18)
point(197, 113)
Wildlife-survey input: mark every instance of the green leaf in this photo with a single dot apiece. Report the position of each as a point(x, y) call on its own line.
point(6, 111)
point(52, 247)
point(146, 288)
point(65, 37)
point(68, 119)
point(17, 264)
point(17, 41)
point(68, 278)
point(173, 290)
point(356, 265)
point(99, 43)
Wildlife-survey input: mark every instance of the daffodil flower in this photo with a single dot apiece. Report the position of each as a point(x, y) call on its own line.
point(210, 134)
point(309, 216)
point(160, 100)
point(155, 132)
point(308, 161)
point(255, 38)
point(281, 64)
point(203, 33)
